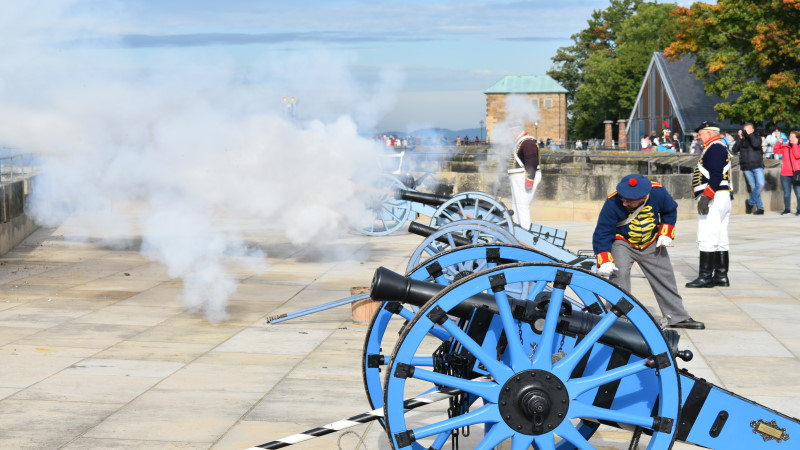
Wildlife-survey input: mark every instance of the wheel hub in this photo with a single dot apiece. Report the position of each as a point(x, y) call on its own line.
point(533, 402)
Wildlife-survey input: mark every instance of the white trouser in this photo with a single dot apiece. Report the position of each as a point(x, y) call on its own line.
point(521, 199)
point(712, 228)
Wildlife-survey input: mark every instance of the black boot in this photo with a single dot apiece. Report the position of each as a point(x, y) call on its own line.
point(721, 269)
point(705, 278)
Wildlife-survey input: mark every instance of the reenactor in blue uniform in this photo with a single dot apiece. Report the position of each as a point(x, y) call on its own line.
point(712, 189)
point(636, 225)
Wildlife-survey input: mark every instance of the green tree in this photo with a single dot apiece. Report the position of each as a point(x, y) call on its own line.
point(612, 78)
point(604, 68)
point(599, 35)
point(748, 49)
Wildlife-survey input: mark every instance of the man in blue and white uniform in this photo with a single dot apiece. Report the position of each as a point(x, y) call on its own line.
point(524, 176)
point(712, 189)
point(636, 225)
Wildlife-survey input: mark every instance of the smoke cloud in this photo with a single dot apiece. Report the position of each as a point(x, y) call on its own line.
point(520, 116)
point(181, 145)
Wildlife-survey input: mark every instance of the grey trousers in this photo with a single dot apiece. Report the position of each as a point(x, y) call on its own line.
point(657, 268)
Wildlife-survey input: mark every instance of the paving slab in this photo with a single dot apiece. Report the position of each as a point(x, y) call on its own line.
point(97, 350)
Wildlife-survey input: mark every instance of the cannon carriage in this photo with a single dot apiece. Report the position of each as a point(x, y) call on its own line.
point(530, 352)
point(394, 201)
point(545, 370)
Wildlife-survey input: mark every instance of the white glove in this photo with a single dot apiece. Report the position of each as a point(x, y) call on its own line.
point(664, 241)
point(606, 269)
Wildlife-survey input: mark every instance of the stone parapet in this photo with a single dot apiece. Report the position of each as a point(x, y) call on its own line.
point(15, 225)
point(575, 184)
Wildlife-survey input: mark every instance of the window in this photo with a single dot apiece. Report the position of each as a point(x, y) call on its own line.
point(535, 102)
point(548, 103)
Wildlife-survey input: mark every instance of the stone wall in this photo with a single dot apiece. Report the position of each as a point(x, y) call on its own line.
point(575, 184)
point(15, 225)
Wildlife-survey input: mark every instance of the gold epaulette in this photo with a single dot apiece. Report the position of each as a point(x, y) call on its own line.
point(612, 194)
point(655, 184)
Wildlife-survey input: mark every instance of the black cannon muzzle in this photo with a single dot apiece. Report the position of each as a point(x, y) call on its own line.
point(391, 286)
point(421, 197)
point(425, 231)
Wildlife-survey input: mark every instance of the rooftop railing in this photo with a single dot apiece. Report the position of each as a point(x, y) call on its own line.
point(14, 166)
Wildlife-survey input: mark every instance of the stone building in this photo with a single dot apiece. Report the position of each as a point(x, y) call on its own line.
point(544, 93)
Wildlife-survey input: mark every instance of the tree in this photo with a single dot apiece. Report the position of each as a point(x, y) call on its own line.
point(605, 67)
point(745, 48)
point(600, 35)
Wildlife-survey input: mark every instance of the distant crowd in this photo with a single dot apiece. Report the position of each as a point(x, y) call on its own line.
point(671, 142)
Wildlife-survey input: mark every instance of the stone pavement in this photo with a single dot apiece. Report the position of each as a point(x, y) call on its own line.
point(96, 350)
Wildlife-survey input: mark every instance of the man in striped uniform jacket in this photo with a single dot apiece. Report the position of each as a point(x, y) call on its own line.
point(636, 225)
point(712, 189)
point(524, 176)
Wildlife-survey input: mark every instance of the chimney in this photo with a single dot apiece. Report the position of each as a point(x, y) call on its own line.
point(623, 137)
point(609, 137)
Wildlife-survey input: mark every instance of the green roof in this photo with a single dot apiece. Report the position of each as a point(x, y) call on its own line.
point(526, 84)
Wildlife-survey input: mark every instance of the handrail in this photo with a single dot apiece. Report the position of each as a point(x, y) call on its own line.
point(16, 166)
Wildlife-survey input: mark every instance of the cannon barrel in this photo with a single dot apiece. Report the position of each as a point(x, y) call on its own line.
point(391, 286)
point(421, 197)
point(425, 231)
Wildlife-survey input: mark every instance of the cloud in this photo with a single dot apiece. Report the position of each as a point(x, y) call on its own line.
point(213, 39)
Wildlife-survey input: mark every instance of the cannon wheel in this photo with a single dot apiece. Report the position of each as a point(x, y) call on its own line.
point(529, 396)
point(477, 231)
point(385, 214)
point(455, 264)
point(472, 205)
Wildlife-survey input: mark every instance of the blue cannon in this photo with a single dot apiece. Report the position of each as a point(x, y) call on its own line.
point(393, 202)
point(541, 354)
point(534, 353)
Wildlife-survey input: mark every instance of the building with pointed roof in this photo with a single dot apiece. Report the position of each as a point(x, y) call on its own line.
point(671, 95)
point(543, 93)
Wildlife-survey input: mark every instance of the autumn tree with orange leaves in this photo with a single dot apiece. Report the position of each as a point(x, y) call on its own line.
point(749, 50)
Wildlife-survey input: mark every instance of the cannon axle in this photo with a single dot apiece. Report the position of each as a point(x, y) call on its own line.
point(533, 402)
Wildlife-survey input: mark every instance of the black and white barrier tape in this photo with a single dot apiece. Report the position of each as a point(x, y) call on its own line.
point(416, 402)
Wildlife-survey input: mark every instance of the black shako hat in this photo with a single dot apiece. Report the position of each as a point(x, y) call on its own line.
point(707, 125)
point(634, 187)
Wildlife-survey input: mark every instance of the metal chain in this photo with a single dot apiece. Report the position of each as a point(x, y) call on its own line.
point(447, 362)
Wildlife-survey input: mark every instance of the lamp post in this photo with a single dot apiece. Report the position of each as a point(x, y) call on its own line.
point(481, 123)
point(290, 103)
point(536, 129)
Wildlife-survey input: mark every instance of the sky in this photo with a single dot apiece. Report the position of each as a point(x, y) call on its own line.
point(160, 126)
point(420, 63)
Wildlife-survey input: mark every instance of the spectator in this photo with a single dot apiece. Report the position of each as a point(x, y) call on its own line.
point(665, 142)
point(646, 143)
point(696, 145)
point(578, 145)
point(751, 160)
point(676, 142)
point(458, 141)
point(790, 152)
point(476, 140)
point(770, 141)
point(728, 140)
point(636, 225)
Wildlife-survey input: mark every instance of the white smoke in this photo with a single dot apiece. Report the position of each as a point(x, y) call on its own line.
point(182, 146)
point(520, 115)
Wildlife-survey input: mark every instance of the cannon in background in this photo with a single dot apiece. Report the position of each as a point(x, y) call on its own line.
point(392, 203)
